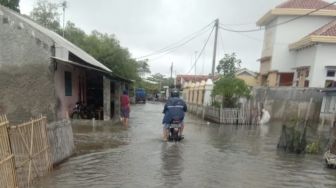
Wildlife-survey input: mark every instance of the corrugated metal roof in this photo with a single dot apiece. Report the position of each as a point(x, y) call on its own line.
point(59, 40)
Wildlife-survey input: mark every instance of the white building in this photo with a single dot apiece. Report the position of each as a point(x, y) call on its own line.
point(287, 60)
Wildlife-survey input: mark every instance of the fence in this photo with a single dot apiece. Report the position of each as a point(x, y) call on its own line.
point(7, 168)
point(248, 114)
point(24, 151)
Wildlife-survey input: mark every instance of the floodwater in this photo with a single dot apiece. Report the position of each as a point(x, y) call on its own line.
point(210, 156)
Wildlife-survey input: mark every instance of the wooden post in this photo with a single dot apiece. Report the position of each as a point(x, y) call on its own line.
point(31, 151)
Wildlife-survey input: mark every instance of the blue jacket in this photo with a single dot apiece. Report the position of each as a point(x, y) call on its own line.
point(174, 109)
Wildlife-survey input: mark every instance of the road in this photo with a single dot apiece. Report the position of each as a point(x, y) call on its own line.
point(210, 156)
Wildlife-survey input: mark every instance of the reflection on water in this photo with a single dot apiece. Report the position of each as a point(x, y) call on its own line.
point(210, 156)
point(172, 164)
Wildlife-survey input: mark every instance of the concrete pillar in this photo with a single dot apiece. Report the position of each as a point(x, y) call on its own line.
point(118, 92)
point(107, 98)
point(207, 92)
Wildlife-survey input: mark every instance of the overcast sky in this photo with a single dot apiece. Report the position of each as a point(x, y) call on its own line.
point(144, 26)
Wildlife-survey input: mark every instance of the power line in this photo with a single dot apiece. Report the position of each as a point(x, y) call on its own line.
point(168, 51)
point(178, 44)
point(271, 26)
point(201, 52)
point(222, 40)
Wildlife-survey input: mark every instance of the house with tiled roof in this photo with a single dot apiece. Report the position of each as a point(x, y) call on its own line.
point(298, 44)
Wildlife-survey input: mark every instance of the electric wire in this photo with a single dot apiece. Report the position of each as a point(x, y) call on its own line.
point(202, 50)
point(180, 43)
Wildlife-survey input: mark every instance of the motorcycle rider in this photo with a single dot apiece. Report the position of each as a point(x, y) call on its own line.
point(174, 109)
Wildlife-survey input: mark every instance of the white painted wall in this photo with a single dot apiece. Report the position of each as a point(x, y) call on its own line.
point(283, 60)
point(325, 56)
point(305, 57)
point(61, 52)
point(269, 37)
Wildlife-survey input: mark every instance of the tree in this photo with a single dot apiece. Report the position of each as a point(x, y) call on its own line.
point(159, 78)
point(75, 34)
point(229, 65)
point(143, 68)
point(231, 89)
point(12, 4)
point(46, 14)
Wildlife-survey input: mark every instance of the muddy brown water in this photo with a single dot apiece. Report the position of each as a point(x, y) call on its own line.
point(211, 156)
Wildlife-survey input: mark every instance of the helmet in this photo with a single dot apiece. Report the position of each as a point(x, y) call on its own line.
point(175, 93)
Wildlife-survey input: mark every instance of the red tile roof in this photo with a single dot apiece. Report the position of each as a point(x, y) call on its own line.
point(306, 4)
point(327, 30)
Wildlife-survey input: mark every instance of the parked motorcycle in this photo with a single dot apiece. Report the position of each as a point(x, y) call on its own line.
point(81, 111)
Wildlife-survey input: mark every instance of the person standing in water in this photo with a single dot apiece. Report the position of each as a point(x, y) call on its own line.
point(125, 108)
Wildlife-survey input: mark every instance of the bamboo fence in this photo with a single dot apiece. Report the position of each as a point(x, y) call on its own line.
point(30, 146)
point(7, 167)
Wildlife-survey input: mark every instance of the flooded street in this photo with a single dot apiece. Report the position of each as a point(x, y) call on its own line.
point(210, 156)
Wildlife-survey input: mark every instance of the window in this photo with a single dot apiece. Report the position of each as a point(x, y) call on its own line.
point(307, 73)
point(306, 83)
point(330, 73)
point(68, 83)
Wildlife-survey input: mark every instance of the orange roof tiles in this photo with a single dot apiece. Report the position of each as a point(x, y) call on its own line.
point(306, 4)
point(327, 30)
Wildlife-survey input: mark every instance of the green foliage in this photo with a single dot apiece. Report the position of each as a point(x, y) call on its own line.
point(12, 4)
point(231, 89)
point(161, 79)
point(293, 138)
point(143, 68)
point(313, 148)
point(150, 88)
point(229, 65)
point(46, 14)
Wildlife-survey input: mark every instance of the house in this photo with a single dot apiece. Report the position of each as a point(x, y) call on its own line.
point(249, 77)
point(43, 73)
point(293, 47)
point(315, 58)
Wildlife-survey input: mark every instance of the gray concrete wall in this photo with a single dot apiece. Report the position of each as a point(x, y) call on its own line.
point(26, 74)
point(61, 140)
point(286, 103)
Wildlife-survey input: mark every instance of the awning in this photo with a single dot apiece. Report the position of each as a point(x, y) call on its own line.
point(109, 75)
point(79, 65)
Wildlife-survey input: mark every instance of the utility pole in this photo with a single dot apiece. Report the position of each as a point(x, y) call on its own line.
point(215, 49)
point(64, 6)
point(171, 74)
point(195, 65)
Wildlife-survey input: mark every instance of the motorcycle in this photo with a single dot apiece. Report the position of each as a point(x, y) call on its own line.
point(82, 112)
point(175, 131)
